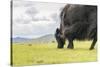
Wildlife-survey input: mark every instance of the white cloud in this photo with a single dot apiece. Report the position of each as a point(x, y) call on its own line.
point(34, 19)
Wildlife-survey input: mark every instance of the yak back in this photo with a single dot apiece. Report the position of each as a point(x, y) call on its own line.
point(79, 21)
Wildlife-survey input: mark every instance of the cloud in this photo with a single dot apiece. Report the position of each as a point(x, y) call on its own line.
point(35, 19)
point(24, 19)
point(24, 15)
point(55, 17)
point(19, 3)
point(35, 14)
point(31, 11)
point(34, 29)
point(43, 18)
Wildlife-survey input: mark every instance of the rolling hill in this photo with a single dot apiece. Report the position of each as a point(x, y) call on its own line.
point(42, 39)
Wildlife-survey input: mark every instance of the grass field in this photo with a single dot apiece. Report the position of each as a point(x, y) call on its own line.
point(33, 54)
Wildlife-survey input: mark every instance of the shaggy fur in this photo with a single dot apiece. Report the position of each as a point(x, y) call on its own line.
point(77, 22)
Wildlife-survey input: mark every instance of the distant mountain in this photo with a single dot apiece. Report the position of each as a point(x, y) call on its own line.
point(43, 39)
point(19, 39)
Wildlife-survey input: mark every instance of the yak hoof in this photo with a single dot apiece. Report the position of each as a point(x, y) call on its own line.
point(60, 47)
point(70, 47)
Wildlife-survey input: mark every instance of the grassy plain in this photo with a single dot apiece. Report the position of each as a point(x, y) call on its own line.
point(47, 53)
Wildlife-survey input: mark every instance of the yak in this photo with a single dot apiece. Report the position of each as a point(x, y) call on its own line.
point(77, 22)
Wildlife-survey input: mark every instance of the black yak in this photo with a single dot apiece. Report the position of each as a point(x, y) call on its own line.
point(77, 22)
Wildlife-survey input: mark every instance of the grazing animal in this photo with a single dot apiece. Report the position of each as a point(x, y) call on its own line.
point(77, 22)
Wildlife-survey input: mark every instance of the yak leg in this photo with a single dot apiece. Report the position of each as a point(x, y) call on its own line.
point(70, 45)
point(93, 44)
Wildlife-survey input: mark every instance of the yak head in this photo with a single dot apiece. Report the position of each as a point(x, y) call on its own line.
point(59, 39)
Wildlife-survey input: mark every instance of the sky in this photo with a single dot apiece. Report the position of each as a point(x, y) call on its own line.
point(35, 19)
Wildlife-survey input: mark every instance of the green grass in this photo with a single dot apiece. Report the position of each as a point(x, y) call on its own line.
point(25, 54)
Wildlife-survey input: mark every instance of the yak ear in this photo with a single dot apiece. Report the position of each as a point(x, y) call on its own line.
point(57, 30)
point(57, 33)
